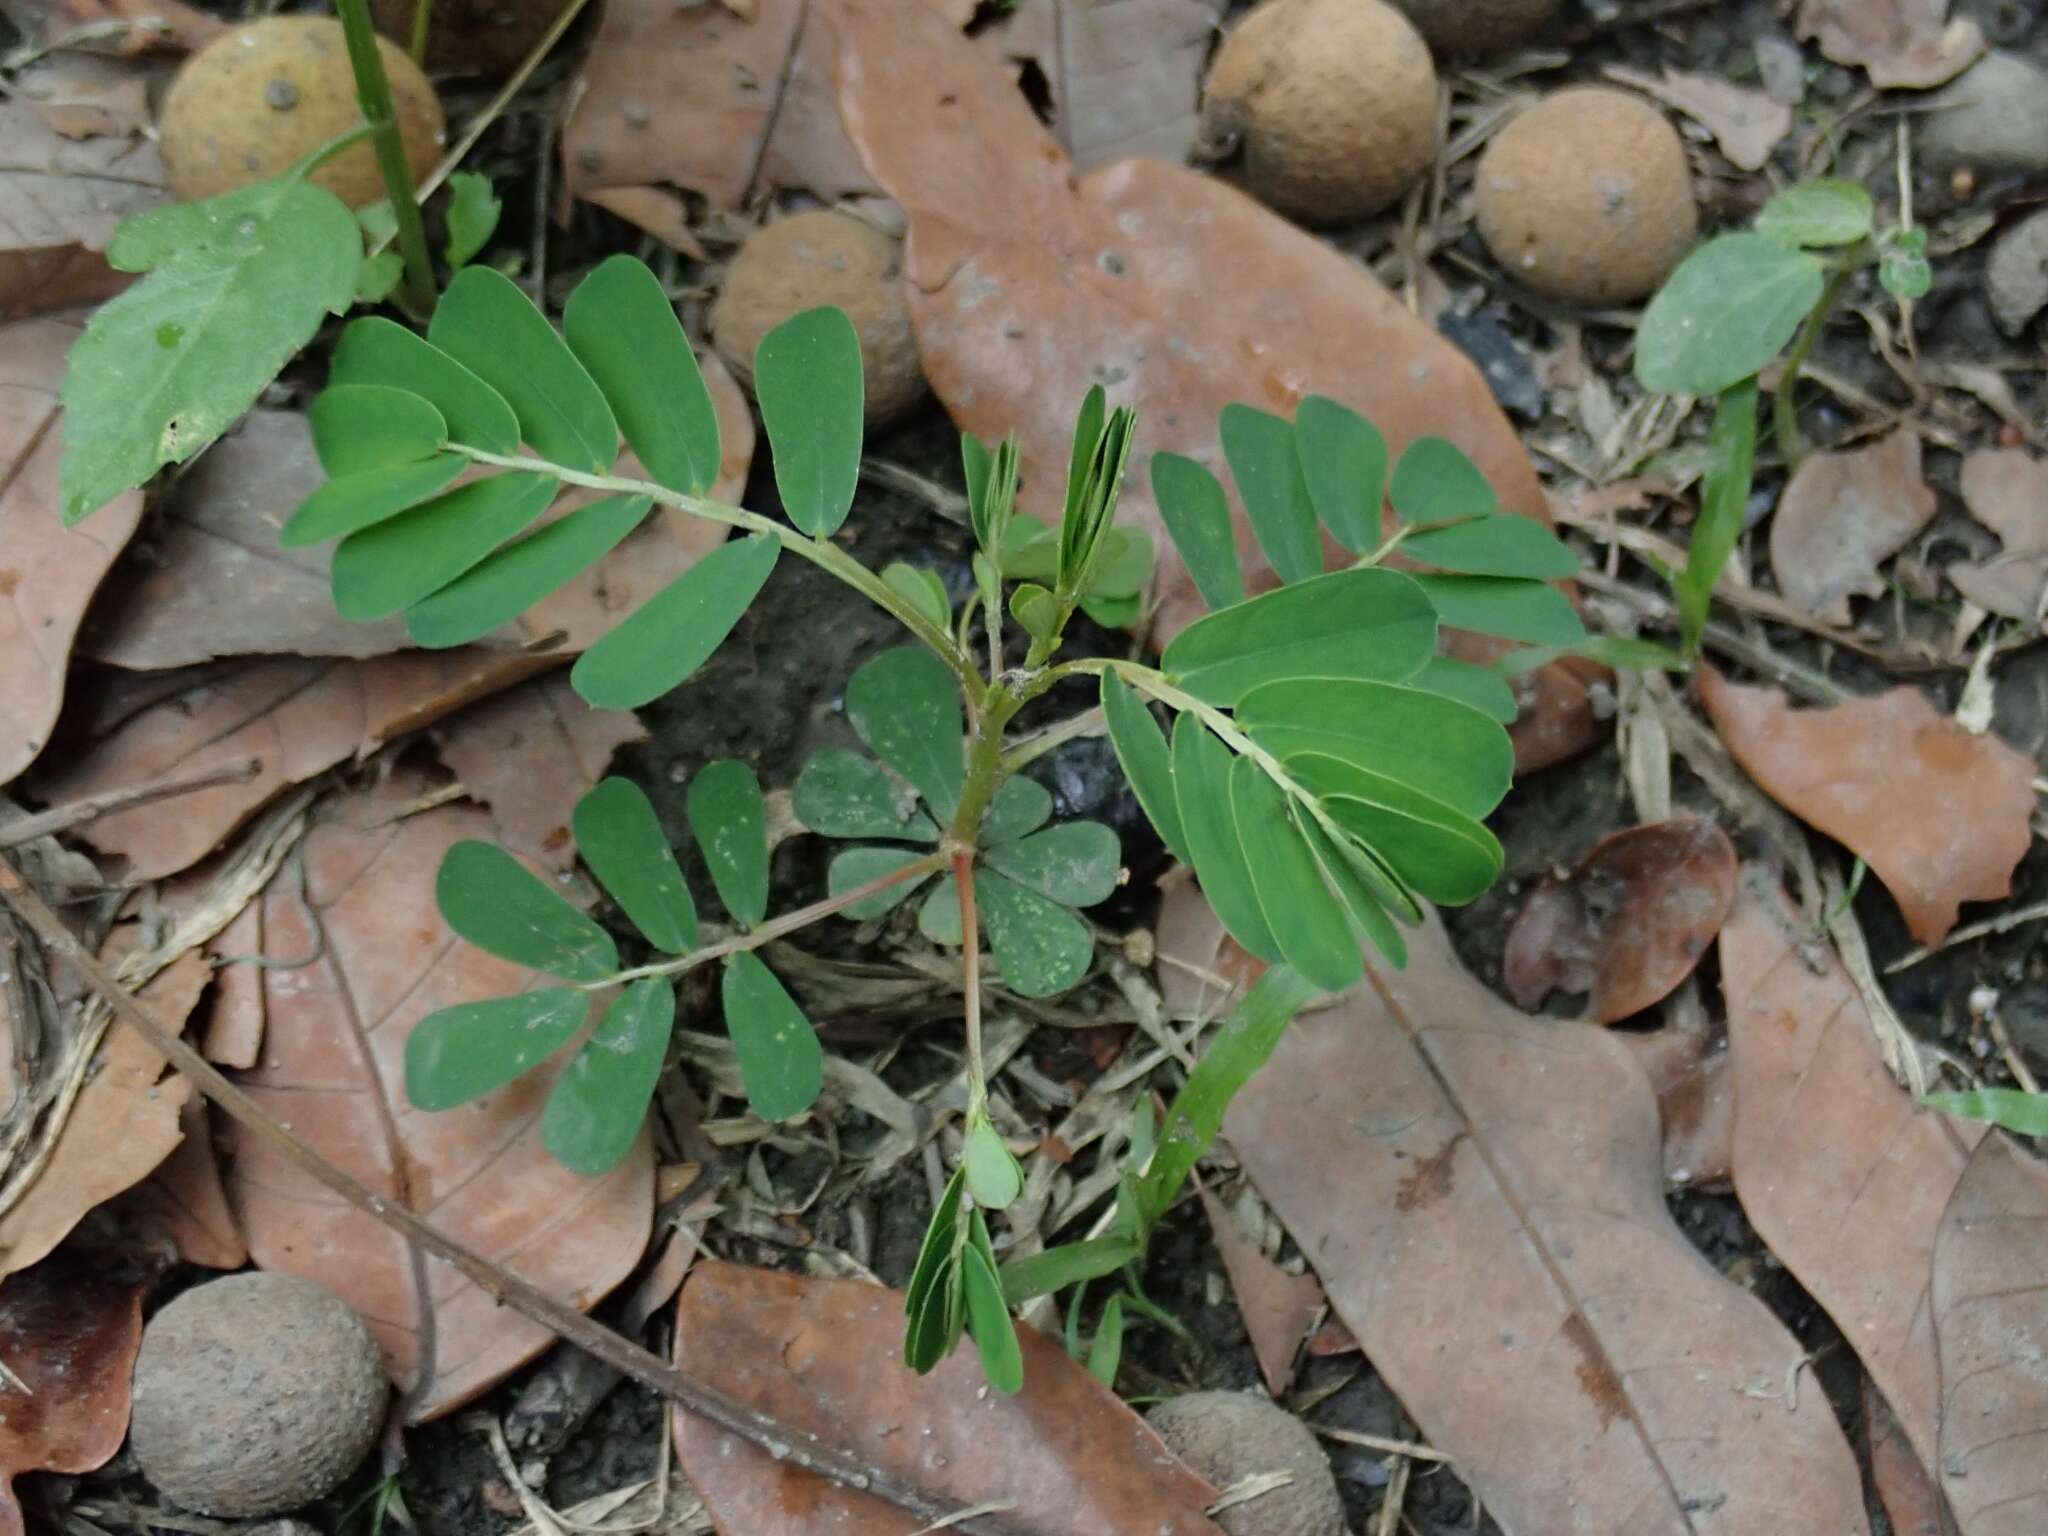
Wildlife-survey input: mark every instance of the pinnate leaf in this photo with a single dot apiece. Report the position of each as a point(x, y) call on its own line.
point(462, 1053)
point(496, 903)
point(377, 351)
point(620, 838)
point(512, 579)
point(398, 561)
point(780, 1059)
point(369, 426)
point(1141, 749)
point(1344, 461)
point(1730, 308)
point(807, 378)
point(595, 1110)
point(906, 707)
point(1306, 921)
point(1364, 623)
point(1500, 545)
point(674, 632)
point(624, 331)
point(351, 502)
point(1197, 517)
point(1268, 472)
point(726, 812)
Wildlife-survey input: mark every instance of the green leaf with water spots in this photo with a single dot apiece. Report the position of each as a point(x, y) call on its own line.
point(808, 382)
point(852, 868)
point(594, 1113)
point(1042, 947)
point(496, 903)
point(1019, 807)
point(780, 1059)
point(675, 631)
point(458, 1054)
point(621, 839)
point(846, 794)
point(485, 323)
point(731, 823)
point(906, 707)
point(1075, 863)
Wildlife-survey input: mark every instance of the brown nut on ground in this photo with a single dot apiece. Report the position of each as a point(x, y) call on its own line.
point(261, 97)
point(1332, 103)
point(471, 37)
point(1226, 1436)
point(1467, 29)
point(1587, 196)
point(815, 258)
point(255, 1394)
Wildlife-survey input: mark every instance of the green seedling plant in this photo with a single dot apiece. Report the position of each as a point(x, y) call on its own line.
point(1736, 305)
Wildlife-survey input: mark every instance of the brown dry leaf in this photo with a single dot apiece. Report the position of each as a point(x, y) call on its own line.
point(825, 1358)
point(85, 96)
point(123, 1123)
point(1843, 514)
point(1911, 1502)
point(1689, 1072)
point(333, 1068)
point(60, 199)
point(1939, 814)
point(2006, 489)
point(234, 1025)
point(184, 1204)
point(1629, 924)
point(1840, 1172)
point(298, 718)
point(1991, 1326)
point(48, 572)
point(69, 1330)
point(124, 26)
point(1897, 42)
point(530, 754)
point(1481, 1193)
point(1278, 1308)
point(1747, 124)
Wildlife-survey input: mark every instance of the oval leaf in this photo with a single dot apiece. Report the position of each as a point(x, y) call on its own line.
point(780, 1058)
point(726, 812)
point(807, 378)
point(1344, 461)
point(1442, 854)
point(938, 917)
point(1260, 449)
point(906, 707)
point(1306, 921)
point(462, 1053)
point(1002, 1358)
point(370, 426)
point(922, 589)
point(993, 1177)
point(600, 1100)
point(675, 631)
point(852, 868)
point(1042, 948)
point(362, 500)
point(844, 794)
point(1494, 546)
point(499, 905)
point(1197, 517)
point(1514, 609)
point(1819, 213)
point(1481, 687)
point(514, 578)
point(1075, 864)
point(395, 563)
point(1730, 308)
point(623, 329)
point(1019, 807)
point(1141, 749)
point(1436, 483)
point(1365, 623)
point(374, 350)
point(1201, 782)
point(621, 839)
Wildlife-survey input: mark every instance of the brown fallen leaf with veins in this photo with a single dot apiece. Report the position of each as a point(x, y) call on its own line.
point(824, 1357)
point(1278, 1308)
point(60, 201)
point(1897, 42)
point(183, 1204)
point(48, 573)
point(1481, 1194)
point(333, 1069)
point(1630, 922)
point(1940, 815)
point(69, 1331)
point(1839, 1171)
point(1911, 1502)
point(2006, 489)
point(1841, 516)
point(1991, 1326)
point(1747, 124)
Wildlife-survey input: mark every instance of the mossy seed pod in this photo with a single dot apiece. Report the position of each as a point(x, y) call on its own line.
point(261, 97)
point(1587, 196)
point(1332, 104)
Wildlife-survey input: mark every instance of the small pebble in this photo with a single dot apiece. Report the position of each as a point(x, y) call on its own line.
point(1226, 1436)
point(1994, 117)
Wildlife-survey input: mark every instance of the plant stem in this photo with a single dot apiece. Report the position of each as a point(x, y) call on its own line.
point(970, 979)
point(373, 94)
point(1784, 409)
point(334, 146)
point(422, 20)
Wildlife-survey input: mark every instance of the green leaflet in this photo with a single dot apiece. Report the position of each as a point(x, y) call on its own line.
point(1481, 687)
point(843, 794)
point(473, 210)
point(1724, 502)
point(624, 331)
point(935, 1253)
point(675, 631)
point(1075, 863)
point(1069, 1264)
point(1019, 807)
point(395, 563)
point(368, 426)
point(2024, 1114)
point(348, 503)
point(1514, 609)
point(726, 812)
point(1344, 461)
point(1042, 948)
point(1259, 447)
point(1364, 623)
point(922, 589)
point(594, 1114)
point(496, 903)
point(852, 868)
point(1306, 921)
point(1002, 1359)
point(485, 323)
point(1435, 482)
point(1345, 870)
point(938, 915)
point(1197, 517)
point(780, 1058)
point(1106, 1350)
point(462, 1053)
point(1818, 213)
point(1730, 308)
point(1141, 749)
point(1091, 501)
point(374, 350)
point(993, 1177)
point(621, 839)
point(236, 285)
point(1502, 545)
point(906, 707)
point(807, 379)
point(1208, 817)
point(511, 580)
point(1441, 853)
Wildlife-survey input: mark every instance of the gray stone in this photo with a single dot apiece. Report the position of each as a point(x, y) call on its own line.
point(1226, 1436)
point(1992, 118)
point(2017, 273)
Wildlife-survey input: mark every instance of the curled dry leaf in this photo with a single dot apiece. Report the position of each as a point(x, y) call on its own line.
point(69, 1330)
point(1841, 515)
point(1897, 42)
point(1991, 1325)
point(2006, 489)
point(60, 199)
point(1747, 124)
point(1840, 1172)
point(1911, 1501)
point(1278, 1308)
point(48, 573)
point(823, 1357)
point(1687, 1066)
point(1941, 815)
point(1474, 1184)
point(380, 959)
point(1629, 924)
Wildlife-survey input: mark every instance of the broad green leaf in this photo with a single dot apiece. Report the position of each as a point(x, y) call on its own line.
point(1441, 853)
point(1508, 606)
point(236, 285)
point(988, 1320)
point(1481, 687)
point(675, 631)
point(906, 707)
point(594, 1114)
point(780, 1059)
point(922, 589)
point(1259, 447)
point(374, 350)
point(473, 210)
point(369, 426)
point(1818, 213)
point(993, 1177)
point(1730, 308)
point(1724, 502)
point(623, 329)
point(807, 379)
point(1019, 807)
point(1503, 545)
point(499, 905)
point(1036, 610)
point(1306, 921)
point(1344, 461)
point(1043, 948)
point(1208, 818)
point(2022, 1113)
point(462, 1053)
point(1197, 517)
point(1141, 749)
point(485, 323)
point(938, 915)
point(1346, 874)
point(936, 1250)
point(1068, 1264)
point(847, 794)
point(1075, 863)
point(1364, 622)
point(621, 839)
point(394, 563)
point(727, 814)
point(844, 794)
point(1449, 749)
point(1435, 482)
point(1106, 1353)
point(514, 578)
point(852, 868)
point(368, 497)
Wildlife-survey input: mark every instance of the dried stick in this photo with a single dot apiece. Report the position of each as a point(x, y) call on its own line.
point(61, 818)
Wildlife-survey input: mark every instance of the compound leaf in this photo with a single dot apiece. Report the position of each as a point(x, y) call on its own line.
point(462, 1053)
point(1260, 449)
point(1514, 609)
point(374, 350)
point(361, 500)
point(1208, 818)
point(1344, 461)
point(395, 563)
point(780, 1059)
point(370, 426)
point(624, 331)
point(726, 812)
point(1042, 948)
point(1436, 483)
point(675, 631)
point(844, 794)
point(511, 580)
point(621, 839)
point(1364, 622)
point(1730, 308)
point(1141, 749)
point(1305, 920)
point(1075, 864)
point(594, 1112)
point(907, 709)
point(1197, 517)
point(499, 905)
point(807, 379)
point(1501, 545)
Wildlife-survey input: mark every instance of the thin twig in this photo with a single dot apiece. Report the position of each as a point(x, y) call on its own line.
point(1414, 1450)
point(2005, 922)
point(62, 818)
